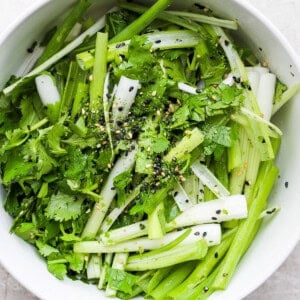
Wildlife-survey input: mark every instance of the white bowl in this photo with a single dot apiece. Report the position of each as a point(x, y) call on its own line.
point(276, 239)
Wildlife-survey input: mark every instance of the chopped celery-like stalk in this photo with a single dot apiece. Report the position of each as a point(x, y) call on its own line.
point(266, 179)
point(99, 73)
point(206, 19)
point(63, 31)
point(140, 23)
point(176, 255)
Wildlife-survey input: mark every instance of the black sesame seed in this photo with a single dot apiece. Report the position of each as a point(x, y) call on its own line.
point(32, 47)
point(263, 141)
point(197, 233)
point(187, 200)
point(142, 226)
point(131, 89)
point(113, 188)
point(120, 108)
point(175, 194)
point(204, 234)
point(226, 43)
point(236, 79)
point(179, 40)
point(286, 184)
point(269, 212)
point(201, 191)
point(214, 218)
point(205, 289)
point(216, 255)
point(247, 182)
point(157, 41)
point(260, 49)
point(218, 211)
point(120, 45)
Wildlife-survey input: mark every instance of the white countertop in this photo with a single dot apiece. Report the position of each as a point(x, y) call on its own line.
point(285, 283)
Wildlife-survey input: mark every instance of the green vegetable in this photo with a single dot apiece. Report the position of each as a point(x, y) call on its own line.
point(151, 125)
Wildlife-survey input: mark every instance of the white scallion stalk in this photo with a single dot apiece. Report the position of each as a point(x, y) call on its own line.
point(108, 193)
point(59, 55)
point(119, 262)
point(219, 210)
point(125, 233)
point(164, 40)
point(106, 112)
point(187, 88)
point(210, 232)
point(181, 198)
point(230, 24)
point(47, 89)
point(229, 80)
point(124, 98)
point(209, 179)
point(265, 94)
point(254, 78)
point(259, 69)
point(74, 33)
point(257, 118)
point(30, 61)
point(115, 213)
point(192, 188)
point(94, 267)
point(214, 211)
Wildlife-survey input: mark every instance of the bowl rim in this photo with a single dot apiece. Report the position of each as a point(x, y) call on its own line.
point(248, 6)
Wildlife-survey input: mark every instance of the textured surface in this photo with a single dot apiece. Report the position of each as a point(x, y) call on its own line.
point(284, 284)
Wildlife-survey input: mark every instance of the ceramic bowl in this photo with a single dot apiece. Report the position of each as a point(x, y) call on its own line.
point(276, 238)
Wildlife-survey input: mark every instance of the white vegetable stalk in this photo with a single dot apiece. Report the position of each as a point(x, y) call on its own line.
point(265, 94)
point(209, 179)
point(115, 213)
point(257, 118)
point(193, 189)
point(108, 193)
point(30, 61)
point(124, 98)
point(229, 80)
point(94, 267)
point(258, 69)
point(219, 210)
point(47, 89)
point(187, 88)
point(125, 233)
point(181, 198)
point(214, 211)
point(254, 78)
point(119, 262)
point(107, 263)
point(74, 33)
point(59, 55)
point(106, 112)
point(173, 39)
point(210, 232)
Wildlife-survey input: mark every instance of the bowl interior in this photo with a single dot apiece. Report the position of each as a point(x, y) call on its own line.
point(277, 237)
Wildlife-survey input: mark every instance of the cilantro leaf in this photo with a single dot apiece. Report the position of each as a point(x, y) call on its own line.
point(121, 181)
point(44, 249)
point(58, 270)
point(63, 207)
point(121, 280)
point(54, 136)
